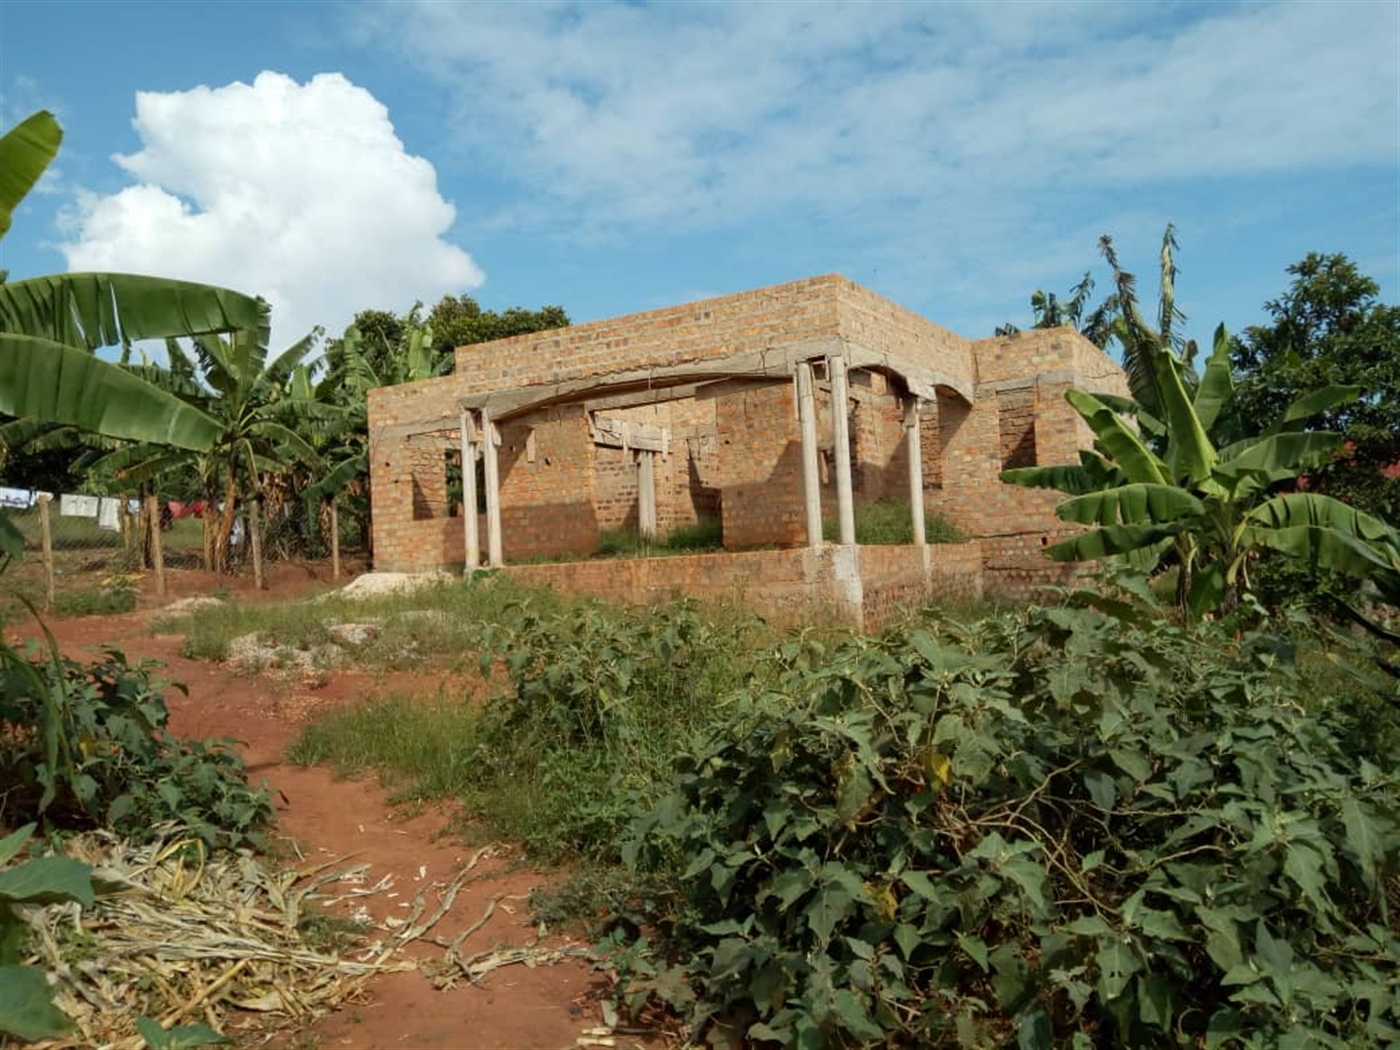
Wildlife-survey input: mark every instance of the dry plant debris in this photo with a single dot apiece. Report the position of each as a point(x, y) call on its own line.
point(182, 936)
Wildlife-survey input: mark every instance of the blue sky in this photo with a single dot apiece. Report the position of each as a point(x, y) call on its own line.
point(618, 157)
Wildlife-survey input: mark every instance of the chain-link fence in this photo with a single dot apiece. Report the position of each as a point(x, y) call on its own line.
point(87, 554)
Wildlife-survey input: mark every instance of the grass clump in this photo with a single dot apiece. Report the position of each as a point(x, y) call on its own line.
point(116, 595)
point(696, 537)
point(890, 522)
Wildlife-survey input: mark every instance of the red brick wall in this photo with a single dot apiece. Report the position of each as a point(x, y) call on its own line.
point(760, 466)
point(788, 586)
point(402, 465)
point(547, 505)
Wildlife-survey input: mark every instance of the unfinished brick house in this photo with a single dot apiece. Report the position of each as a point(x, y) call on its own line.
point(773, 411)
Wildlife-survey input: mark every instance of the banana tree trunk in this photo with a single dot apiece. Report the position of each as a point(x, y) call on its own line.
point(223, 529)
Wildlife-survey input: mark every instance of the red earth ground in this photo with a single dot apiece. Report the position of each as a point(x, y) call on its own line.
point(552, 1006)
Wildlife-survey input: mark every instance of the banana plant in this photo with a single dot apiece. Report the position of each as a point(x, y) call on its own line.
point(50, 328)
point(257, 412)
point(1170, 485)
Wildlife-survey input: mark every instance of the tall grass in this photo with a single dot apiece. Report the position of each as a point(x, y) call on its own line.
point(589, 705)
point(890, 522)
point(697, 537)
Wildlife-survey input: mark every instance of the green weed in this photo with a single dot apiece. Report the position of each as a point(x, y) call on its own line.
point(594, 704)
point(115, 595)
point(890, 522)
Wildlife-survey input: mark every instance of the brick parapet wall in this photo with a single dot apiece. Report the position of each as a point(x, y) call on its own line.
point(883, 325)
point(676, 335)
point(789, 586)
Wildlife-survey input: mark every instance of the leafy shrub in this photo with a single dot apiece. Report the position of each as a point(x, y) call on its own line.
point(1064, 827)
point(27, 1010)
point(597, 702)
point(87, 746)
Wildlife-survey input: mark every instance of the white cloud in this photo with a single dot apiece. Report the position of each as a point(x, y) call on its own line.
point(301, 193)
point(946, 152)
point(715, 113)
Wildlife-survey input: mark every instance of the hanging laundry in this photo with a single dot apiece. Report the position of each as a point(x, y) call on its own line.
point(108, 514)
point(21, 499)
point(77, 506)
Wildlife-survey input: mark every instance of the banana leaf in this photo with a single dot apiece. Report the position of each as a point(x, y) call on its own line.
point(92, 310)
point(1131, 505)
point(1130, 455)
point(1314, 403)
point(1217, 384)
point(25, 151)
point(1321, 547)
point(1280, 457)
point(340, 475)
point(1109, 540)
point(1316, 510)
point(45, 381)
point(1190, 453)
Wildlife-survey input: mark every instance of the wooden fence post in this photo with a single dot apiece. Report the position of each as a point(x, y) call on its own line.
point(46, 536)
point(157, 544)
point(255, 535)
point(335, 540)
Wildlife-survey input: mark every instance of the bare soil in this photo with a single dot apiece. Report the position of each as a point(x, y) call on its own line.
point(322, 817)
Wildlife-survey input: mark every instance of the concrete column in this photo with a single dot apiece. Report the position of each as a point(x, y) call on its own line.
point(916, 467)
point(494, 557)
point(469, 524)
point(841, 438)
point(646, 494)
point(811, 482)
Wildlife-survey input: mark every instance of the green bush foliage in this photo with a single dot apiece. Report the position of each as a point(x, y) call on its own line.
point(595, 703)
point(27, 1010)
point(1066, 827)
point(87, 746)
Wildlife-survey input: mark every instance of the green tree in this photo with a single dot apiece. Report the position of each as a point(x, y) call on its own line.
point(1050, 311)
point(1208, 507)
point(461, 321)
point(1330, 328)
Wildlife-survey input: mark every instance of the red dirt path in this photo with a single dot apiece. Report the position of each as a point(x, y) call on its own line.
point(514, 1007)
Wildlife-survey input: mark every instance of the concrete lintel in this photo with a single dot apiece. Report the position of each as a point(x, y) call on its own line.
point(920, 378)
point(505, 404)
point(419, 427)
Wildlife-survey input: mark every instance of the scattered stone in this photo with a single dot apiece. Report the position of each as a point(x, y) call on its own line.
point(248, 654)
point(374, 584)
point(353, 635)
point(189, 605)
